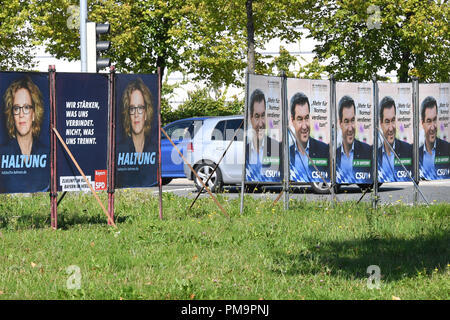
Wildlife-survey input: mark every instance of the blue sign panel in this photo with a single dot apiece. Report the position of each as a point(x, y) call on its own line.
point(137, 130)
point(82, 122)
point(24, 132)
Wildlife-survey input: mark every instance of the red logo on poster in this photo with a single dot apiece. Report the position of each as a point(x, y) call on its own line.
point(101, 179)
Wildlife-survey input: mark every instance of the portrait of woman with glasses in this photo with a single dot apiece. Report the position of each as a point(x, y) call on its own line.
point(136, 152)
point(24, 155)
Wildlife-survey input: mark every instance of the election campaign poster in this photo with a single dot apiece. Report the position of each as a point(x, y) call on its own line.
point(354, 153)
point(263, 149)
point(137, 130)
point(82, 116)
point(24, 132)
point(309, 130)
point(395, 121)
point(434, 131)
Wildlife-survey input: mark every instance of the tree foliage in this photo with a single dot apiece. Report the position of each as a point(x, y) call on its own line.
point(144, 35)
point(206, 38)
point(201, 103)
point(358, 41)
point(15, 44)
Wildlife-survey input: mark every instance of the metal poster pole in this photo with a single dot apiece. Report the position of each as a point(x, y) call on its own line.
point(375, 145)
point(159, 146)
point(285, 140)
point(83, 36)
point(217, 165)
point(333, 143)
point(84, 176)
point(195, 173)
point(53, 179)
point(399, 160)
point(415, 87)
point(245, 143)
point(112, 142)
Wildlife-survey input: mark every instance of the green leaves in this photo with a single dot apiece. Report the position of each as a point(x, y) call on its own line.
point(15, 49)
point(411, 38)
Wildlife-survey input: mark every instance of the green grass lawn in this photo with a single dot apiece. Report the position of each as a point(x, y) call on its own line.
point(312, 251)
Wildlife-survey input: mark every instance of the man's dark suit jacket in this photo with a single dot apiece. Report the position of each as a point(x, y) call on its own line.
point(272, 148)
point(361, 151)
point(403, 150)
point(442, 150)
point(317, 150)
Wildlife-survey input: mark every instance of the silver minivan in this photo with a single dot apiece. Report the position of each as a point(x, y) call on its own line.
point(207, 146)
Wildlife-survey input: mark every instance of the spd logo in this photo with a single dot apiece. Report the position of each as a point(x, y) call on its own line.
point(101, 179)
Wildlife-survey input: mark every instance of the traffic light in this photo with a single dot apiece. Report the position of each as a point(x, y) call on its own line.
point(94, 47)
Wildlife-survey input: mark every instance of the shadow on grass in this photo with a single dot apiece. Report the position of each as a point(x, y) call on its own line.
point(65, 221)
point(302, 189)
point(397, 258)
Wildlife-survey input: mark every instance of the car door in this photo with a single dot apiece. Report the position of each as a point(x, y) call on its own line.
point(234, 158)
point(214, 146)
point(171, 162)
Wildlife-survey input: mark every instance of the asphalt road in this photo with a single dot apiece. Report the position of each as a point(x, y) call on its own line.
point(438, 191)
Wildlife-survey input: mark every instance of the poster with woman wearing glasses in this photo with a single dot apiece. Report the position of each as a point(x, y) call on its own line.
point(24, 137)
point(137, 142)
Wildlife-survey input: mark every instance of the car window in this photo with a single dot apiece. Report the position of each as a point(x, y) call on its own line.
point(177, 131)
point(231, 127)
point(195, 127)
point(218, 133)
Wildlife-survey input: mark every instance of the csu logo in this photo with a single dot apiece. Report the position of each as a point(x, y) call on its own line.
point(402, 174)
point(319, 174)
point(362, 175)
point(442, 172)
point(271, 173)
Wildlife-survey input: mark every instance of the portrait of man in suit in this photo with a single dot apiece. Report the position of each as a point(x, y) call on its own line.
point(434, 154)
point(390, 169)
point(353, 157)
point(308, 157)
point(263, 162)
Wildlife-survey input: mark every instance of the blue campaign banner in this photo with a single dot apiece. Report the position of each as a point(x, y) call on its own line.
point(309, 130)
point(434, 131)
point(24, 132)
point(395, 118)
point(137, 130)
point(354, 114)
point(82, 122)
point(263, 149)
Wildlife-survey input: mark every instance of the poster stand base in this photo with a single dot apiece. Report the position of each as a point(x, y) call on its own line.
point(110, 220)
point(195, 173)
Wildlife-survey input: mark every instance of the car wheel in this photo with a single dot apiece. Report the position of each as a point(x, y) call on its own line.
point(165, 181)
point(204, 170)
point(323, 188)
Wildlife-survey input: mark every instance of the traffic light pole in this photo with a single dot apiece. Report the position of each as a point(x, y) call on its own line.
point(83, 39)
point(93, 30)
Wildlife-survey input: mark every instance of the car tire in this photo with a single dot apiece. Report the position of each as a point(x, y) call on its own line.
point(165, 181)
point(203, 171)
point(323, 188)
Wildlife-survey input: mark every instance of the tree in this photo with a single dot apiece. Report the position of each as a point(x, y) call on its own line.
point(15, 46)
point(144, 35)
point(360, 38)
point(248, 25)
